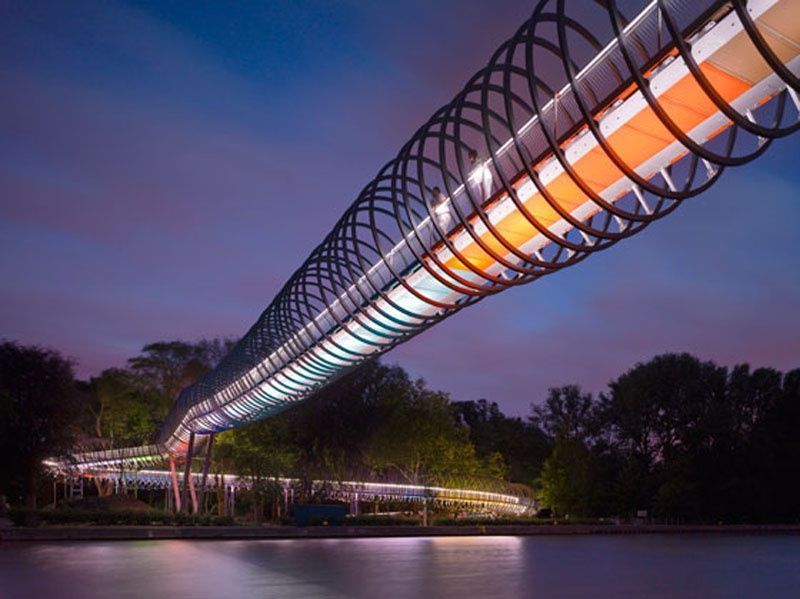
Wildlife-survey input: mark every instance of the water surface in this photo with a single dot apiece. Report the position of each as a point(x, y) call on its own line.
point(486, 567)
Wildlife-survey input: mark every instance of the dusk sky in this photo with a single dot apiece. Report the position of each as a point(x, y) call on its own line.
point(165, 166)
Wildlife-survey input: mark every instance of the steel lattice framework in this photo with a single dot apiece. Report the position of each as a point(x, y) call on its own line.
point(583, 128)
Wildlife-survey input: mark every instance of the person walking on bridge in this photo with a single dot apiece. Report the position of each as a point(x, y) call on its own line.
point(441, 210)
point(480, 177)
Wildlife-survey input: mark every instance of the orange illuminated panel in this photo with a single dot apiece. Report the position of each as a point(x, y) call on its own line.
point(638, 140)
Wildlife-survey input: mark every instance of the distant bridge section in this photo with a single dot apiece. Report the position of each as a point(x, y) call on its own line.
point(350, 491)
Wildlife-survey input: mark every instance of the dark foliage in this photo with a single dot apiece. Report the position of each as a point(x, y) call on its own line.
point(522, 445)
point(682, 439)
point(38, 409)
point(65, 517)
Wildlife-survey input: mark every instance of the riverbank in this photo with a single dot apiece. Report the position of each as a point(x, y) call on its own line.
point(130, 533)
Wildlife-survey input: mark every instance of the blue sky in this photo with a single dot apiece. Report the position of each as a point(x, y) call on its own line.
point(164, 167)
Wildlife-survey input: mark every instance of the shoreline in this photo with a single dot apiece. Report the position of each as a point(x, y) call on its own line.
point(138, 533)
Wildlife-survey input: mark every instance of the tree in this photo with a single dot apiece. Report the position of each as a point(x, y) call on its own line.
point(566, 414)
point(123, 413)
point(575, 479)
point(658, 408)
point(418, 438)
point(118, 412)
point(331, 427)
point(521, 445)
point(263, 452)
point(565, 485)
point(164, 368)
point(38, 411)
point(773, 451)
point(676, 499)
point(663, 416)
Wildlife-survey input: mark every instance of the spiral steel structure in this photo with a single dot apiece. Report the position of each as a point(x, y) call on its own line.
point(584, 127)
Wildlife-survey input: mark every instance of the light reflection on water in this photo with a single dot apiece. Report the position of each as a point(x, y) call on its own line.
point(463, 567)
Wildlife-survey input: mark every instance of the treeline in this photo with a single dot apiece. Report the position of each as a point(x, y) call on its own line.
point(676, 438)
point(45, 411)
point(682, 439)
point(374, 423)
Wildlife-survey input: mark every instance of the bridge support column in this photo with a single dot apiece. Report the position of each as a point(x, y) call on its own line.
point(206, 466)
point(187, 474)
point(230, 501)
point(192, 493)
point(219, 493)
point(175, 490)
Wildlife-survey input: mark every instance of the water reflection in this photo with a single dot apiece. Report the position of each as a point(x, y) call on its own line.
point(634, 566)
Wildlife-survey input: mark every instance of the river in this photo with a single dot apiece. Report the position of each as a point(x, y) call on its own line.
point(418, 568)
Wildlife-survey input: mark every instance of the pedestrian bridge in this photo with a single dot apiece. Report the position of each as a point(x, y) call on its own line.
point(588, 124)
point(353, 492)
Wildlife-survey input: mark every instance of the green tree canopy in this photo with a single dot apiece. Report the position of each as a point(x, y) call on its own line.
point(565, 485)
point(417, 437)
point(520, 445)
point(123, 412)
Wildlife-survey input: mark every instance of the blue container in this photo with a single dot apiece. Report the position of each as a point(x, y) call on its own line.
point(307, 515)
